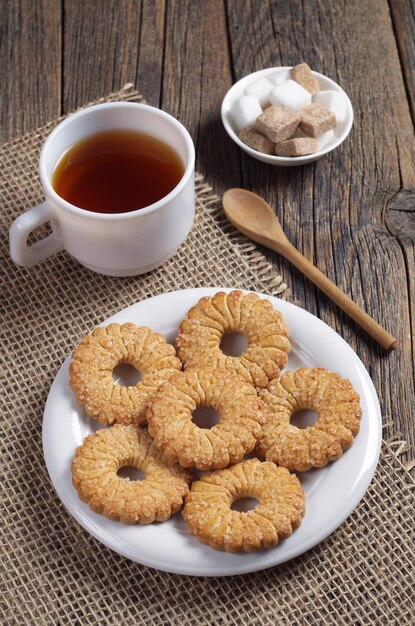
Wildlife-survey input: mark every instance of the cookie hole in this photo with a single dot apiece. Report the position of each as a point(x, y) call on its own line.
point(130, 473)
point(205, 417)
point(233, 344)
point(304, 418)
point(126, 375)
point(244, 504)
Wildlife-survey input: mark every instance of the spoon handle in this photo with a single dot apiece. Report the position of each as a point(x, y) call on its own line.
point(375, 330)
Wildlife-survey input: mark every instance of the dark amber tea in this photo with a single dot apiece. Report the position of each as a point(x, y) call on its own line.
point(117, 171)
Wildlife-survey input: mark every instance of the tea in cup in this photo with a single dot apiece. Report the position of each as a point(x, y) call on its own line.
point(119, 185)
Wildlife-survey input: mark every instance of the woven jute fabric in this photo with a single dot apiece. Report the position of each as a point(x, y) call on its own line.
point(52, 571)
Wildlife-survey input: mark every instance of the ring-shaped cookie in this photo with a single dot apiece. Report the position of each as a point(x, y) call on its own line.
point(170, 422)
point(94, 475)
point(338, 418)
point(281, 504)
point(107, 347)
point(200, 335)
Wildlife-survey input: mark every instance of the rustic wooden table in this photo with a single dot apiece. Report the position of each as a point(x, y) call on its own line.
point(350, 213)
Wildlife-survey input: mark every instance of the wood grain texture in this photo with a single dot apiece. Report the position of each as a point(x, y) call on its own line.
point(403, 18)
point(30, 64)
point(151, 49)
point(197, 74)
point(350, 213)
point(100, 52)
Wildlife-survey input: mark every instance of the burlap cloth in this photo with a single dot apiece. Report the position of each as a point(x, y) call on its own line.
point(53, 572)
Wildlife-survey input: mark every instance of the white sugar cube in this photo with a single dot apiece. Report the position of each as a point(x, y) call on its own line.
point(334, 101)
point(326, 139)
point(245, 111)
point(279, 77)
point(259, 88)
point(291, 95)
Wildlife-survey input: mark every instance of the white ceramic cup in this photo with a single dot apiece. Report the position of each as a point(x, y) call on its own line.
point(123, 244)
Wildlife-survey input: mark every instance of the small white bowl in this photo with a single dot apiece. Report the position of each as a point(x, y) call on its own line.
point(340, 132)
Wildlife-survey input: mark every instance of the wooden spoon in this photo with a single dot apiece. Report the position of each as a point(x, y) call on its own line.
point(251, 215)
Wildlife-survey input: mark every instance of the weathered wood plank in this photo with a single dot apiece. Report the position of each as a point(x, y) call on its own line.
point(150, 67)
point(101, 42)
point(400, 218)
point(197, 74)
point(334, 210)
point(30, 64)
point(403, 17)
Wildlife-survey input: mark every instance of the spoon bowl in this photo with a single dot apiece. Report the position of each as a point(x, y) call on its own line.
point(254, 217)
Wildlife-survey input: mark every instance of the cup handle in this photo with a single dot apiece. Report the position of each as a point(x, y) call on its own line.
point(20, 252)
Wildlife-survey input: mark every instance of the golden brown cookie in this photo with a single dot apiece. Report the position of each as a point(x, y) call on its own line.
point(281, 504)
point(170, 422)
point(338, 418)
point(94, 475)
point(200, 335)
point(95, 359)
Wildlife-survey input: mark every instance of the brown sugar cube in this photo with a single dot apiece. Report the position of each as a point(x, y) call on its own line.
point(304, 76)
point(255, 140)
point(278, 122)
point(316, 120)
point(299, 133)
point(298, 146)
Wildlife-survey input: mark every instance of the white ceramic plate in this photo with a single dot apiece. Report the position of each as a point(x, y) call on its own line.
point(331, 492)
point(339, 134)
